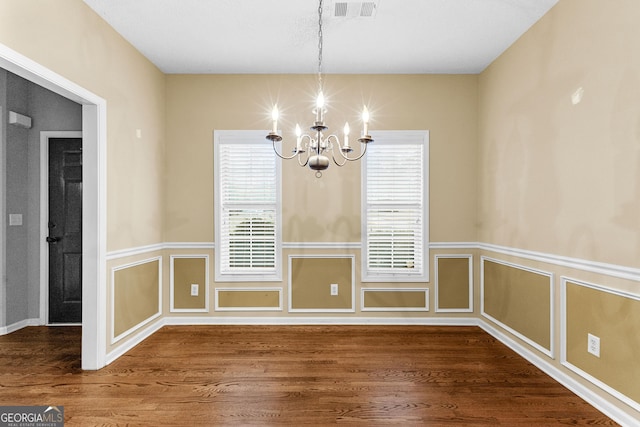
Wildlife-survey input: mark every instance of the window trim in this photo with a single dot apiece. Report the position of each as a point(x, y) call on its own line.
point(391, 137)
point(245, 137)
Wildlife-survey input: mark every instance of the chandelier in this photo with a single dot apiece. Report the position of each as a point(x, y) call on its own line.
point(312, 149)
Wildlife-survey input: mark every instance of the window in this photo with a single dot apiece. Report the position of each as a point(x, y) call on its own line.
point(395, 207)
point(247, 207)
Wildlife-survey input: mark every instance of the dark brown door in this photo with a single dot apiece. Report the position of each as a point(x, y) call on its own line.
point(65, 230)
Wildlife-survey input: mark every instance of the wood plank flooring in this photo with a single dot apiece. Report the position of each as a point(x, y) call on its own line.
point(290, 375)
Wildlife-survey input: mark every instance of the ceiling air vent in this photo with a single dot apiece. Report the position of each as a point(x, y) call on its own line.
point(341, 9)
point(368, 8)
point(355, 9)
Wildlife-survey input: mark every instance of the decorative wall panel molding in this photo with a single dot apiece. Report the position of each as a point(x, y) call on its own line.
point(321, 283)
point(613, 318)
point(136, 296)
point(454, 283)
point(394, 299)
point(186, 271)
point(248, 299)
point(519, 299)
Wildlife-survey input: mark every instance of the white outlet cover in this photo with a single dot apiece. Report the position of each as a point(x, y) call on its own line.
point(334, 289)
point(593, 345)
point(194, 289)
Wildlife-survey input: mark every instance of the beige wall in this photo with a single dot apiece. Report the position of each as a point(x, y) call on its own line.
point(199, 104)
point(557, 177)
point(67, 37)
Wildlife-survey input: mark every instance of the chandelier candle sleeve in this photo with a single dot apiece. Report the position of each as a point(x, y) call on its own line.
point(346, 136)
point(274, 117)
point(365, 121)
point(298, 138)
point(319, 107)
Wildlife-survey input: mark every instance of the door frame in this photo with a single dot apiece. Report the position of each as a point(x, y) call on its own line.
point(94, 203)
point(44, 218)
point(3, 252)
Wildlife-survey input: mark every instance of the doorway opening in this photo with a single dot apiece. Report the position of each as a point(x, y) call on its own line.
point(94, 138)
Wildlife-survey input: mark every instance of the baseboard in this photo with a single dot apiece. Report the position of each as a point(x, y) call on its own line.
point(135, 339)
point(53, 325)
point(595, 400)
point(4, 330)
point(284, 321)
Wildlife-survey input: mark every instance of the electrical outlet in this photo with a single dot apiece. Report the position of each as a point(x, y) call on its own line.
point(195, 288)
point(593, 345)
point(334, 289)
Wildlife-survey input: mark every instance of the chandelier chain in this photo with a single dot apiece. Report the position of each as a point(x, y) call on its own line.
point(320, 42)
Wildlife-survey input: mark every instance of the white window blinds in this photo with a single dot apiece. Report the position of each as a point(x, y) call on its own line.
point(395, 207)
point(247, 207)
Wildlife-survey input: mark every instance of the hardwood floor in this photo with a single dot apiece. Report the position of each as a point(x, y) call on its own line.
point(290, 375)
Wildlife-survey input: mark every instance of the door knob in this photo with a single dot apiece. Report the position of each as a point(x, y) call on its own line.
point(52, 239)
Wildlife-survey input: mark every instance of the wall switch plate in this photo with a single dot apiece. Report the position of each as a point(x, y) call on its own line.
point(334, 289)
point(194, 289)
point(593, 345)
point(15, 219)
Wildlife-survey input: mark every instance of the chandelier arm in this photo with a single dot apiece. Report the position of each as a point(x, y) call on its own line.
point(275, 150)
point(308, 148)
point(353, 159)
point(362, 153)
point(333, 156)
point(336, 162)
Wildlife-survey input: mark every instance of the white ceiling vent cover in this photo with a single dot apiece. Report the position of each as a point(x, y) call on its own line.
point(355, 9)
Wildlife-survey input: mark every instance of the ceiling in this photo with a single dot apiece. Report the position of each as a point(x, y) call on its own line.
point(281, 36)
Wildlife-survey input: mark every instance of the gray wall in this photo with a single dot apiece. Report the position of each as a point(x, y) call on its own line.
point(16, 202)
point(49, 112)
